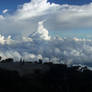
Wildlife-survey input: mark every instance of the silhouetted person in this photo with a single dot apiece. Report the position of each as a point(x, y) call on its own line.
point(40, 61)
point(22, 61)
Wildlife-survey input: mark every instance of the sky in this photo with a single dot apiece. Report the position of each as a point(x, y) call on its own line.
point(13, 4)
point(52, 30)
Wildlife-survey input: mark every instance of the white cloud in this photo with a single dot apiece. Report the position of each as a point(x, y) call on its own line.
point(58, 18)
point(57, 49)
point(34, 9)
point(41, 33)
point(40, 44)
point(1, 17)
point(5, 11)
point(4, 41)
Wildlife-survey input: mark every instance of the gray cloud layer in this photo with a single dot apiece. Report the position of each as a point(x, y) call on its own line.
point(40, 45)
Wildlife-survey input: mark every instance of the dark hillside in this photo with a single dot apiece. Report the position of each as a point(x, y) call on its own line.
point(59, 78)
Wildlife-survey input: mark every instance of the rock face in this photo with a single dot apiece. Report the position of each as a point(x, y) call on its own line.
point(57, 78)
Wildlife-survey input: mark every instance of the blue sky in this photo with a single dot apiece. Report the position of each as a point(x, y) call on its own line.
point(73, 2)
point(12, 4)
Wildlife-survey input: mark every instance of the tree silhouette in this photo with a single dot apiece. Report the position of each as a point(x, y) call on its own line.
point(40, 61)
point(8, 60)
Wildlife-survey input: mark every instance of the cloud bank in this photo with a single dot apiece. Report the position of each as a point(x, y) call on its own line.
point(40, 45)
point(27, 30)
point(58, 18)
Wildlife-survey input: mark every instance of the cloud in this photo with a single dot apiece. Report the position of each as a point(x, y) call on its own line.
point(58, 18)
point(34, 9)
point(1, 17)
point(5, 11)
point(4, 41)
point(41, 33)
point(55, 49)
point(25, 33)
